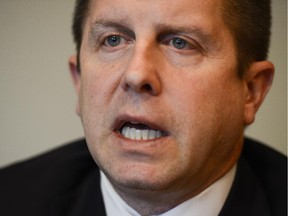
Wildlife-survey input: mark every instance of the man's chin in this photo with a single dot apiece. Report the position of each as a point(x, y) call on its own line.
point(138, 181)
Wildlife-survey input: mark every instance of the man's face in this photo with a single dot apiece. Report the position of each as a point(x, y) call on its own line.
point(159, 96)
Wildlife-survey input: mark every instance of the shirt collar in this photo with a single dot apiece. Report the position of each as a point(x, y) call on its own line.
point(209, 202)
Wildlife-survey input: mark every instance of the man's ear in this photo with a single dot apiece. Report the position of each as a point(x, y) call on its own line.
point(75, 74)
point(258, 79)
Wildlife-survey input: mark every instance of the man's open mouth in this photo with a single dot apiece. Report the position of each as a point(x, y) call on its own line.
point(138, 131)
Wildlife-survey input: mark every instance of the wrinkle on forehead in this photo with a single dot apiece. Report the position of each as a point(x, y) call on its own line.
point(160, 9)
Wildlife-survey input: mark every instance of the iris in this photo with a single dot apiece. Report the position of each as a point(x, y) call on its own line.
point(114, 40)
point(179, 43)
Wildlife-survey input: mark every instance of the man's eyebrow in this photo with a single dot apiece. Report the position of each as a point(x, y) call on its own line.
point(101, 25)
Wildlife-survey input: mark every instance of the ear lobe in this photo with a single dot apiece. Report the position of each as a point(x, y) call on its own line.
point(75, 74)
point(259, 79)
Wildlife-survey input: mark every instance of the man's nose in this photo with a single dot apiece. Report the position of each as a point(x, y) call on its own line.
point(142, 73)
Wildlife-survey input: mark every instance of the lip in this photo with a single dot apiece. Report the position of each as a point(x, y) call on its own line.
point(124, 118)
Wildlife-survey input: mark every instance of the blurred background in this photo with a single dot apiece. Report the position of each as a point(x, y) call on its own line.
point(37, 111)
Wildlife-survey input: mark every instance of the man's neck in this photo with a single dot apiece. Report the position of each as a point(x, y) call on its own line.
point(152, 202)
point(156, 202)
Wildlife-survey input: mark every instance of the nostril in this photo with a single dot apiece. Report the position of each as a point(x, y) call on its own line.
point(147, 87)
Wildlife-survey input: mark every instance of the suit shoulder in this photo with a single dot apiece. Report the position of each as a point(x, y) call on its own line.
point(270, 167)
point(52, 159)
point(264, 158)
point(51, 173)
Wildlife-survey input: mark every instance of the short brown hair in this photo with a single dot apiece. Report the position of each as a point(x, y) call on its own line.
point(249, 22)
point(79, 17)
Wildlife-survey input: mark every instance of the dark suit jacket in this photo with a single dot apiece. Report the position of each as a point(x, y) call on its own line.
point(65, 182)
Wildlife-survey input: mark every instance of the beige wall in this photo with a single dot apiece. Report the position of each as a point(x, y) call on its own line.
point(36, 94)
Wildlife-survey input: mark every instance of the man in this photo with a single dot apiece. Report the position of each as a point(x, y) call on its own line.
point(166, 89)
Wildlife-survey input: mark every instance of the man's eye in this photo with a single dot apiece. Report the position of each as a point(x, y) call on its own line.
point(179, 43)
point(113, 40)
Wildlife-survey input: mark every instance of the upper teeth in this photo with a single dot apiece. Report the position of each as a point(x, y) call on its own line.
point(140, 134)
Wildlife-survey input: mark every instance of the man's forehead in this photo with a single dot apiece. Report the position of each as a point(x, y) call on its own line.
point(161, 7)
point(160, 13)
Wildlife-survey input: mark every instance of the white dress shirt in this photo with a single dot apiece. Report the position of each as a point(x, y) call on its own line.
point(209, 202)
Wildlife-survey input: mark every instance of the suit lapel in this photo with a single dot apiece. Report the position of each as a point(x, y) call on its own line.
point(246, 196)
point(84, 200)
